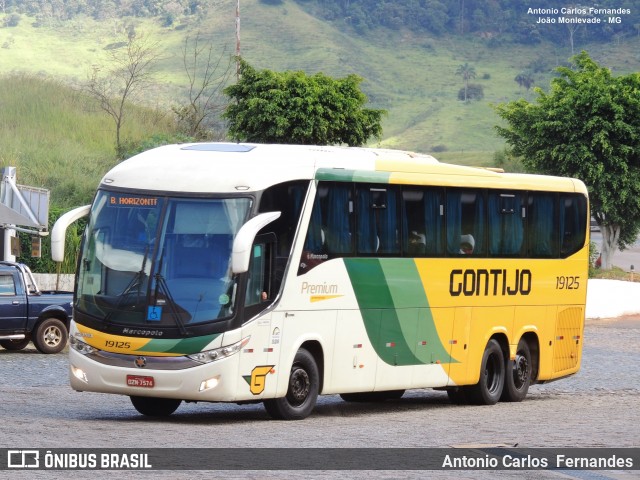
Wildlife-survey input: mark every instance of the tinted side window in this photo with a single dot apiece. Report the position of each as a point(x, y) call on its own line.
point(377, 220)
point(423, 218)
point(466, 222)
point(572, 223)
point(541, 222)
point(505, 215)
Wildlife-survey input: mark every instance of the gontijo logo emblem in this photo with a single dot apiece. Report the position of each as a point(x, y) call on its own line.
point(257, 380)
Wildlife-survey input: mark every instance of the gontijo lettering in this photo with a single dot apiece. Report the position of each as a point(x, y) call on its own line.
point(493, 282)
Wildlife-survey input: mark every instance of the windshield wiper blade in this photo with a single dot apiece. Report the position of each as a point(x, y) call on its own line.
point(162, 283)
point(136, 281)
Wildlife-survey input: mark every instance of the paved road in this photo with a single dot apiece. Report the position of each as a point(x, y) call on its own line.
point(599, 407)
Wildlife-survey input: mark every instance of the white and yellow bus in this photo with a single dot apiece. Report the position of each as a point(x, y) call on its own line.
point(242, 273)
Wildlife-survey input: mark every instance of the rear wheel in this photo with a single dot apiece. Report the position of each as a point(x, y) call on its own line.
point(50, 336)
point(14, 345)
point(489, 388)
point(372, 396)
point(518, 374)
point(302, 393)
point(155, 407)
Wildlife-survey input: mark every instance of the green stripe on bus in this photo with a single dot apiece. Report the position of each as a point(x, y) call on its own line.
point(183, 346)
point(396, 311)
point(407, 290)
point(360, 176)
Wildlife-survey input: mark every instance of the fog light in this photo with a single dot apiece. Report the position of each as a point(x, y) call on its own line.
point(79, 374)
point(208, 384)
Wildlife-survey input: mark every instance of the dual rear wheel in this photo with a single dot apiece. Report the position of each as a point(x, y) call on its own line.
point(500, 377)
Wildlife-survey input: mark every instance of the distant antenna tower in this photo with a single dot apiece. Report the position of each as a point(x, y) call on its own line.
point(238, 40)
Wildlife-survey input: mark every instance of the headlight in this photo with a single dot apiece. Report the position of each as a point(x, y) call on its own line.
point(81, 347)
point(219, 353)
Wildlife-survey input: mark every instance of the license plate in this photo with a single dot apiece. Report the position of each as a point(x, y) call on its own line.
point(140, 381)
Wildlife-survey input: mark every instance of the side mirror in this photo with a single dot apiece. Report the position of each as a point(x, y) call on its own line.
point(60, 229)
point(241, 253)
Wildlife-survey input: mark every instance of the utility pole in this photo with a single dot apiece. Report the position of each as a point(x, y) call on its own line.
point(237, 40)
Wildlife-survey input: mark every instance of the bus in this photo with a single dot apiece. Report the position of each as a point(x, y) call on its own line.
point(233, 272)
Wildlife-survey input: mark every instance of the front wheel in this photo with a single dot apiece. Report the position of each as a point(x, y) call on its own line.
point(155, 407)
point(518, 374)
point(489, 388)
point(14, 345)
point(50, 336)
point(302, 393)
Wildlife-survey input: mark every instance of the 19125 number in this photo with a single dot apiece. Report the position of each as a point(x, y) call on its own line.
point(567, 283)
point(114, 344)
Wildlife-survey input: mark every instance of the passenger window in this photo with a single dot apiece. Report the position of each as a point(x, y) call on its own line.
point(573, 214)
point(506, 223)
point(377, 220)
point(329, 232)
point(465, 211)
point(541, 225)
point(423, 214)
point(7, 285)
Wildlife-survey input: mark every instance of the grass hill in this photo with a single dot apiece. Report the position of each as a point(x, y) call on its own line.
point(61, 141)
point(58, 138)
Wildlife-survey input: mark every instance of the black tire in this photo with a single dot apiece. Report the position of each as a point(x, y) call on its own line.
point(372, 396)
point(50, 336)
point(302, 393)
point(489, 388)
point(14, 345)
point(155, 407)
point(518, 374)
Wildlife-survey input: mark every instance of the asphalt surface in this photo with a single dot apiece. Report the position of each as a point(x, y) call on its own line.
point(598, 407)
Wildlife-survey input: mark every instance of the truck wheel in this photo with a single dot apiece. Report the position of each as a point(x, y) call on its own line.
point(155, 407)
point(492, 372)
point(304, 385)
point(518, 374)
point(50, 336)
point(14, 345)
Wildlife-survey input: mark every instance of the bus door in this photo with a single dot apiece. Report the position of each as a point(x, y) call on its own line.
point(257, 359)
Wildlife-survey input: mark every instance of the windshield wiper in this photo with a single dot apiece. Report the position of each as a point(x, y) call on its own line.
point(162, 284)
point(136, 281)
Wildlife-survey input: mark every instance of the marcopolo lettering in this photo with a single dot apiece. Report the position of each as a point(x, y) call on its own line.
point(496, 282)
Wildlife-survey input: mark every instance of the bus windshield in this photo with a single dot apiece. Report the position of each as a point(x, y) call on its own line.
point(158, 261)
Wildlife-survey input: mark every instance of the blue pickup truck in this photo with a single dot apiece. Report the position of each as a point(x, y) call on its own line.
point(28, 314)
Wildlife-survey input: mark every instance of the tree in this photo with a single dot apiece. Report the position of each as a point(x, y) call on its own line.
point(128, 73)
point(207, 77)
point(292, 107)
point(587, 126)
point(524, 79)
point(467, 72)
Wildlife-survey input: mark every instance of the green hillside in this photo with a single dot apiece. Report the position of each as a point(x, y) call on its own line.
point(59, 139)
point(411, 76)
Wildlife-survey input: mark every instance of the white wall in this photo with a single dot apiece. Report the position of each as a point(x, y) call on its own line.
point(50, 281)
